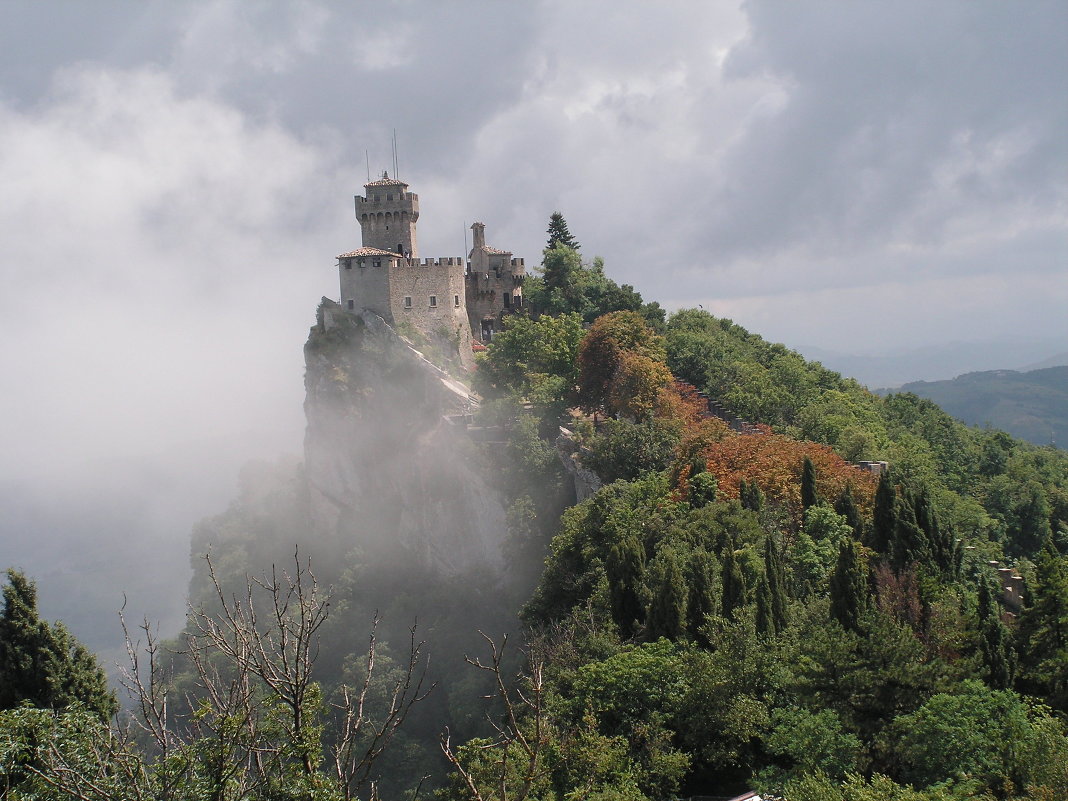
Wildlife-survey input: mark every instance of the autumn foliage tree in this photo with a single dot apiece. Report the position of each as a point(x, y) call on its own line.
point(606, 356)
point(775, 462)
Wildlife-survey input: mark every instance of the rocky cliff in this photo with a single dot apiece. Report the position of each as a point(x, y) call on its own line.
point(387, 473)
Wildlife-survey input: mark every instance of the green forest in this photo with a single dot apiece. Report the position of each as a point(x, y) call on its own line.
point(735, 607)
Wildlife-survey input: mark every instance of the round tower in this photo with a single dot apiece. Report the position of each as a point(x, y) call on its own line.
point(387, 215)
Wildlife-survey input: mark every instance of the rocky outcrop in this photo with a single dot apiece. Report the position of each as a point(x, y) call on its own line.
point(387, 474)
point(586, 482)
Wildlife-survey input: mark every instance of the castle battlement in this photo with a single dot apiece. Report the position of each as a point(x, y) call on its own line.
point(444, 261)
point(386, 200)
point(451, 294)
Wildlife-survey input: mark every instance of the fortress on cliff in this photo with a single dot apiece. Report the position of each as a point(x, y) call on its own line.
point(443, 297)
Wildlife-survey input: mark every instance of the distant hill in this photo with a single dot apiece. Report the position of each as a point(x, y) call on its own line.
point(939, 361)
point(1060, 360)
point(1031, 405)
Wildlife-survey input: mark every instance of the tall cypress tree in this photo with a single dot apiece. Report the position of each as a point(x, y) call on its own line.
point(750, 495)
point(667, 609)
point(734, 589)
point(764, 623)
point(884, 518)
point(847, 508)
point(849, 587)
point(625, 567)
point(910, 539)
point(809, 496)
point(776, 585)
point(1043, 630)
point(700, 602)
point(998, 654)
point(559, 233)
point(1032, 522)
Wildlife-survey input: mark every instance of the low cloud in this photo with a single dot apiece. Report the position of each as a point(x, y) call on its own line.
point(163, 257)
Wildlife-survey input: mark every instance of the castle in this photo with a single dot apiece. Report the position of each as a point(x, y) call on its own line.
point(444, 297)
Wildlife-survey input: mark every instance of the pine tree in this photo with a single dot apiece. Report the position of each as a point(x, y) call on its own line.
point(667, 609)
point(700, 602)
point(846, 507)
point(750, 495)
point(1032, 522)
point(910, 542)
point(625, 567)
point(559, 233)
point(884, 518)
point(809, 496)
point(703, 488)
point(1043, 630)
point(734, 590)
point(998, 655)
point(849, 587)
point(42, 664)
point(776, 585)
point(764, 623)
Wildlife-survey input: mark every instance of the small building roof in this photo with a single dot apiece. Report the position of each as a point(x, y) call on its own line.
point(369, 252)
point(495, 251)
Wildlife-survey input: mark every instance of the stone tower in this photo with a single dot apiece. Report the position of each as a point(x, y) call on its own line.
point(387, 216)
point(443, 298)
point(494, 285)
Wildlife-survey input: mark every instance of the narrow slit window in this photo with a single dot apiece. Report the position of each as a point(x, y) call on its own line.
point(407, 301)
point(433, 301)
point(456, 301)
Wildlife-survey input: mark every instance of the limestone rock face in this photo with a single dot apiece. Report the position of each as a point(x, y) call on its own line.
point(388, 475)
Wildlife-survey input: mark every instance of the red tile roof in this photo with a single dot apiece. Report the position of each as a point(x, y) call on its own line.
point(385, 180)
point(369, 252)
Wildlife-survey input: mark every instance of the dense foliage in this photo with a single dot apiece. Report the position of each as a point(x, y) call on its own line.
point(757, 609)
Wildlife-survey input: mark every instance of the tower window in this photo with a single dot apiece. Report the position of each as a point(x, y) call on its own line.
point(507, 300)
point(352, 305)
point(348, 264)
point(376, 263)
point(407, 301)
point(389, 197)
point(433, 301)
point(360, 263)
point(456, 301)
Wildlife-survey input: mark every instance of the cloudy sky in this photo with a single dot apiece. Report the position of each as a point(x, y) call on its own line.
point(175, 179)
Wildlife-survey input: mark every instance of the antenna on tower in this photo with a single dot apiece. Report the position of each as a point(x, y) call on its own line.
point(466, 251)
point(367, 157)
point(396, 163)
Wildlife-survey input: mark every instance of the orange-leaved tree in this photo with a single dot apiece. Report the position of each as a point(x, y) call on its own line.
point(614, 339)
point(775, 462)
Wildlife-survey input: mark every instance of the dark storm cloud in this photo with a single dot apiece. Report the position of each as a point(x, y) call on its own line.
point(901, 120)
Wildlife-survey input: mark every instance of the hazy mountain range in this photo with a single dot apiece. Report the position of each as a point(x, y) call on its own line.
point(940, 361)
point(1031, 405)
